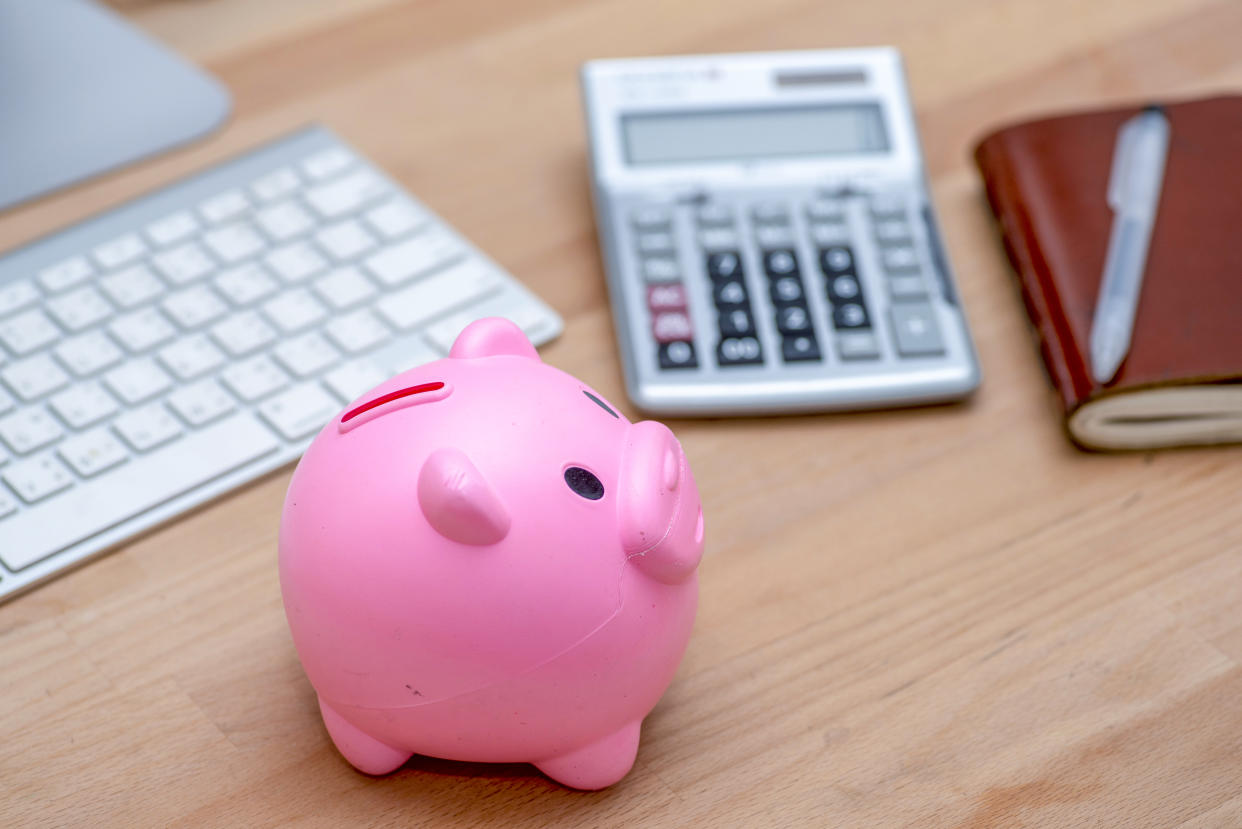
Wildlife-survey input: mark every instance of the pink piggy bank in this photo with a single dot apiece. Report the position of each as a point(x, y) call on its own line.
point(481, 560)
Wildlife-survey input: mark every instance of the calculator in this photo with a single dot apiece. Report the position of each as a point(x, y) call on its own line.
point(767, 234)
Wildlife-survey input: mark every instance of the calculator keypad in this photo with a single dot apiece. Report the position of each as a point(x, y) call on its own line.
point(723, 231)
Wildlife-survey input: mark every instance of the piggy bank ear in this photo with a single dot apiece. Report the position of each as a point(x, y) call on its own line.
point(650, 500)
point(458, 501)
point(492, 336)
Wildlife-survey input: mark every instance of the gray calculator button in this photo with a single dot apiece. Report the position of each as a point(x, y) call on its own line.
point(888, 207)
point(907, 286)
point(718, 238)
point(770, 214)
point(914, 325)
point(661, 269)
point(858, 345)
point(899, 259)
point(774, 236)
point(655, 243)
point(825, 210)
point(830, 234)
point(651, 218)
point(893, 231)
point(715, 215)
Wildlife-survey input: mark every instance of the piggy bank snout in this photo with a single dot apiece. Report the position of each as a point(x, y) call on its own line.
point(659, 514)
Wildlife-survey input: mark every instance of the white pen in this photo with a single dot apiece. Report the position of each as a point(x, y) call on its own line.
point(1133, 193)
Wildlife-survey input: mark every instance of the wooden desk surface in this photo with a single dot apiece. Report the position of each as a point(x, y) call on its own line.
point(945, 617)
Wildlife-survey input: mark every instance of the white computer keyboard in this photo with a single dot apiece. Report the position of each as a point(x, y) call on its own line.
point(178, 346)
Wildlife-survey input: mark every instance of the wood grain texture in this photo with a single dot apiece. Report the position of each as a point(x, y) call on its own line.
point(942, 617)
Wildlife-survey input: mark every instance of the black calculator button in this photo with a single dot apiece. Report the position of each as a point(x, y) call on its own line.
point(779, 262)
point(836, 259)
point(730, 293)
point(724, 265)
point(793, 319)
point(844, 288)
point(678, 354)
point(739, 351)
point(850, 315)
point(737, 323)
point(800, 348)
point(786, 290)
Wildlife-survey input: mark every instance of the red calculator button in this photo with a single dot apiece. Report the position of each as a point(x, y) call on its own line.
point(672, 325)
point(666, 298)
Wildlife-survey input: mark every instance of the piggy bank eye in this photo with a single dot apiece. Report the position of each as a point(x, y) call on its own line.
point(584, 483)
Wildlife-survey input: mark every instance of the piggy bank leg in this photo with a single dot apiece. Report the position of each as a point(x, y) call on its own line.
point(363, 751)
point(597, 765)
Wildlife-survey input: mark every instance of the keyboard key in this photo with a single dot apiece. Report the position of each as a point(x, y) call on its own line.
point(893, 231)
point(824, 235)
point(8, 503)
point(345, 240)
point(656, 244)
point(16, 295)
point(420, 254)
point(224, 206)
point(836, 259)
point(858, 345)
point(779, 263)
point(295, 262)
point(344, 288)
point(786, 290)
point(191, 356)
point(276, 184)
point(777, 236)
point(438, 294)
point(346, 194)
point(396, 218)
point(141, 330)
point(299, 411)
point(724, 265)
point(718, 239)
point(899, 259)
point(739, 351)
point(800, 349)
point(730, 294)
point(254, 378)
point(194, 306)
point(119, 251)
point(183, 264)
point(737, 323)
point(915, 330)
point(714, 215)
point(844, 288)
point(671, 326)
point(245, 284)
point(350, 380)
point(907, 286)
point(83, 404)
point(133, 488)
point(34, 377)
point(29, 429)
point(147, 427)
point(235, 242)
point(327, 163)
point(201, 402)
point(666, 297)
point(242, 333)
point(6, 404)
point(132, 287)
point(850, 315)
point(358, 331)
point(793, 320)
point(28, 331)
point(661, 269)
point(172, 228)
point(89, 353)
point(137, 380)
point(294, 310)
point(91, 453)
point(651, 218)
point(79, 309)
point(66, 274)
point(678, 355)
point(34, 480)
point(282, 222)
point(306, 355)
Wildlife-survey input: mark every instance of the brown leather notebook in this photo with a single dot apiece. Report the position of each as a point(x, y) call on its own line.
point(1046, 182)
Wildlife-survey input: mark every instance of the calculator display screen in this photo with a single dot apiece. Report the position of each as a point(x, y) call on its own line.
point(739, 135)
